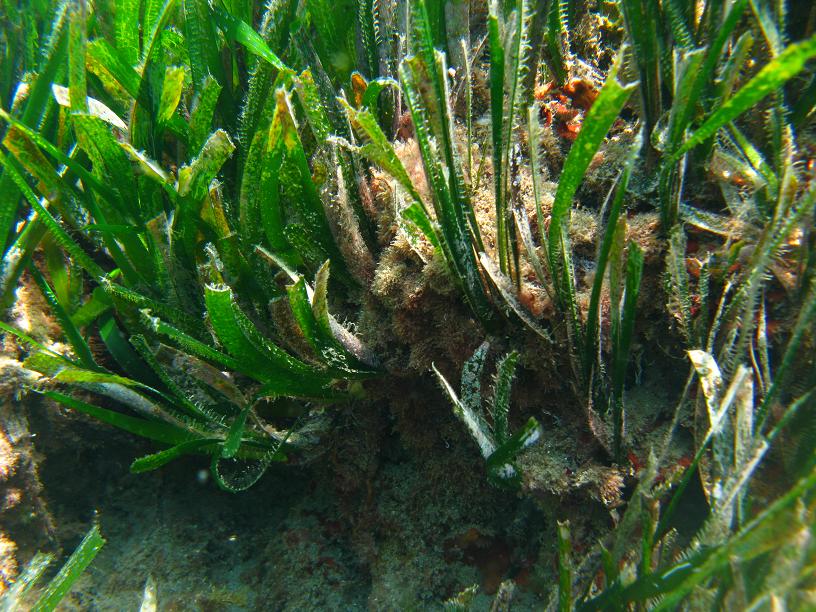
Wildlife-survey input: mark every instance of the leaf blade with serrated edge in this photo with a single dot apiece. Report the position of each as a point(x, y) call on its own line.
point(471, 386)
point(156, 460)
point(280, 372)
point(79, 560)
point(505, 372)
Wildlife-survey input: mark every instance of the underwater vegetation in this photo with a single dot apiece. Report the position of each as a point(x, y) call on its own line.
point(244, 220)
point(59, 584)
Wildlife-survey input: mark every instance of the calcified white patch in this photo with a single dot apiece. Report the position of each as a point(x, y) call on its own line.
point(10, 261)
point(469, 418)
point(95, 107)
point(145, 165)
point(506, 471)
point(21, 319)
point(149, 596)
point(534, 437)
point(709, 373)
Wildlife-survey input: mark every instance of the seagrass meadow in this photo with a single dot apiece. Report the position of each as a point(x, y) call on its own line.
point(407, 305)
